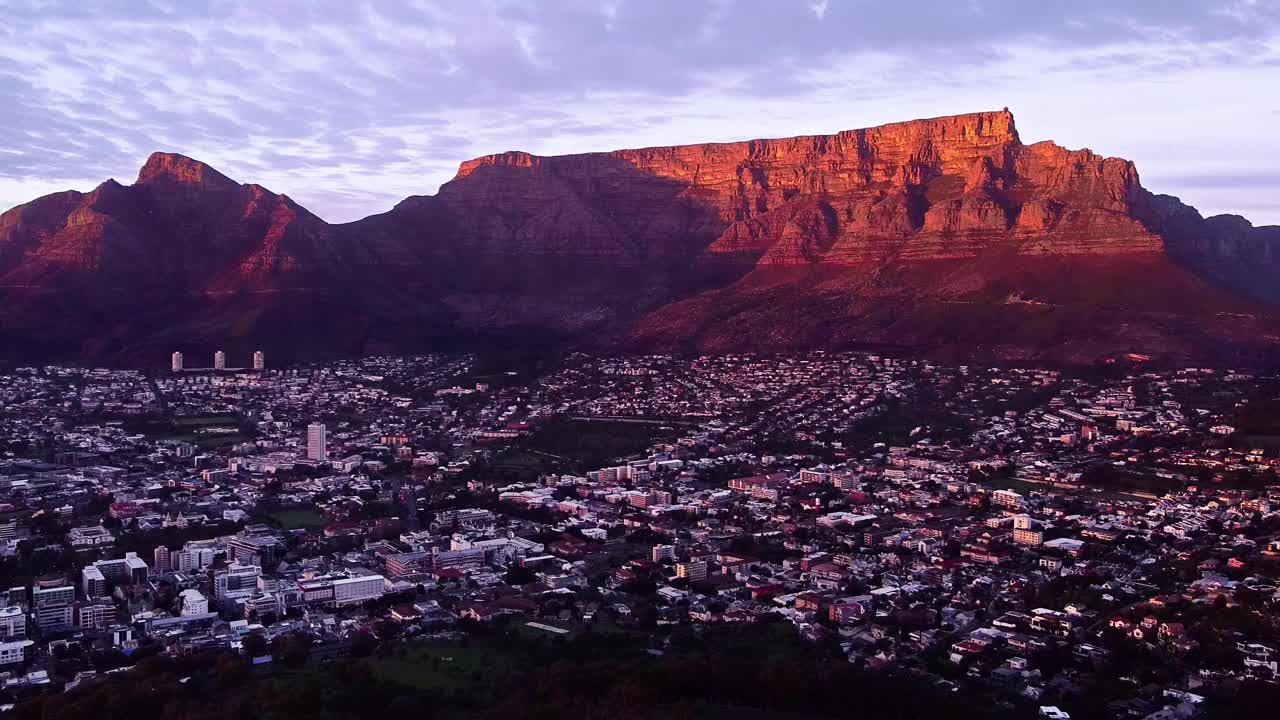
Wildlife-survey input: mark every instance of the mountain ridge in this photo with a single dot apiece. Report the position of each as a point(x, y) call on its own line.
point(663, 247)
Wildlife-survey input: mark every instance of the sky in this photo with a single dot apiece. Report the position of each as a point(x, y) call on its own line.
point(348, 107)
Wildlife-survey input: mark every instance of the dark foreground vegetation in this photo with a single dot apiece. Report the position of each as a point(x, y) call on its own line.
point(755, 673)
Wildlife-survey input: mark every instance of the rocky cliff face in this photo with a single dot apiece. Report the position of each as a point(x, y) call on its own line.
point(925, 189)
point(944, 232)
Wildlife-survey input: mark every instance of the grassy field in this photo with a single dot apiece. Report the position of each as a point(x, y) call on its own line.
point(595, 442)
point(1016, 485)
point(206, 441)
point(524, 466)
point(186, 429)
point(298, 518)
point(193, 421)
point(476, 672)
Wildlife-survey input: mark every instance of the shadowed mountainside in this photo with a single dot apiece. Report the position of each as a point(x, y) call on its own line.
point(946, 236)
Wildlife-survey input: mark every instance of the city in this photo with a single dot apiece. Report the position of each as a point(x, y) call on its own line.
point(1096, 542)
point(639, 360)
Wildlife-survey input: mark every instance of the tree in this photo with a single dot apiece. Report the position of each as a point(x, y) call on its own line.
point(363, 644)
point(291, 649)
point(518, 575)
point(254, 644)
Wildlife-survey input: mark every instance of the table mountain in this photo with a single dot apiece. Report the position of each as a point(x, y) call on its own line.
point(943, 236)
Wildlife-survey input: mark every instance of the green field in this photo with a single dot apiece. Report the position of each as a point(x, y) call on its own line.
point(206, 420)
point(1016, 485)
point(474, 672)
point(206, 442)
point(185, 429)
point(515, 464)
point(298, 518)
point(593, 443)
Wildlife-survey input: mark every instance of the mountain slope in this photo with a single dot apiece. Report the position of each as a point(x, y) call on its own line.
point(946, 236)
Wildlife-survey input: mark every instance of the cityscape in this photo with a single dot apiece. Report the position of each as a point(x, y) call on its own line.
point(639, 360)
point(1099, 542)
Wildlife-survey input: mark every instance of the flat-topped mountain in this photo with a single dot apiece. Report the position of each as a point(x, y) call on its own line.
point(946, 235)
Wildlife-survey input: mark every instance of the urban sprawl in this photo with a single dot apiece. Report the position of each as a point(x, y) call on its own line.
point(1032, 534)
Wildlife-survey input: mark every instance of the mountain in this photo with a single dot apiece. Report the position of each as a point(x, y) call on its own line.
point(946, 236)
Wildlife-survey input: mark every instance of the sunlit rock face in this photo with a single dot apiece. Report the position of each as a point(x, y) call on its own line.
point(942, 235)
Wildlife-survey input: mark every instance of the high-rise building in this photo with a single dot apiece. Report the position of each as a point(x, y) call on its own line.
point(259, 361)
point(177, 362)
point(317, 447)
point(162, 559)
point(219, 360)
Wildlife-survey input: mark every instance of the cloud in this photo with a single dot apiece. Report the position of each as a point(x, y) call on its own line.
point(350, 106)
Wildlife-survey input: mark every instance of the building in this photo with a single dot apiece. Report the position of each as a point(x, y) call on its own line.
point(406, 563)
point(317, 442)
point(177, 362)
point(820, 474)
point(351, 590)
point(53, 607)
point(467, 559)
point(261, 604)
point(663, 552)
point(238, 581)
point(1007, 499)
point(193, 558)
point(1068, 545)
point(693, 570)
point(162, 559)
point(14, 651)
point(192, 602)
point(219, 360)
point(259, 361)
point(316, 592)
point(53, 596)
point(92, 582)
point(95, 615)
point(760, 487)
point(88, 537)
point(1027, 536)
point(255, 548)
point(463, 519)
point(128, 570)
point(13, 623)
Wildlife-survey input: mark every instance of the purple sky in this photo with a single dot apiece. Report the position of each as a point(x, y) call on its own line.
point(349, 107)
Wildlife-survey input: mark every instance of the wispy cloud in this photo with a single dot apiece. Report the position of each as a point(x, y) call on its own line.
point(350, 106)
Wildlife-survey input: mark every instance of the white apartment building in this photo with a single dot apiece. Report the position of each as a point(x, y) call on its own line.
point(13, 623)
point(193, 602)
point(358, 589)
point(14, 651)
